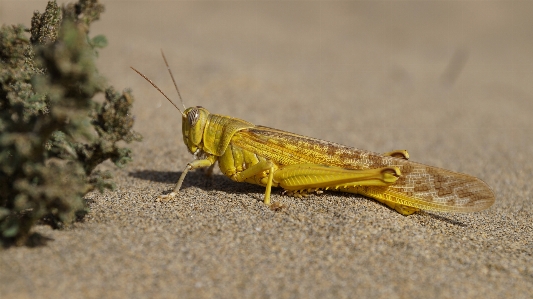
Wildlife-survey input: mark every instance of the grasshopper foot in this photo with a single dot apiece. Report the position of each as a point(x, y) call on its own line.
point(398, 207)
point(405, 210)
point(166, 198)
point(276, 206)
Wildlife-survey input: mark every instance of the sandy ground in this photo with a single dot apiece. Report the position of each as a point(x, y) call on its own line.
point(449, 81)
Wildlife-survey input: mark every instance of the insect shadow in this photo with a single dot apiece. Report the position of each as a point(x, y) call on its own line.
point(218, 182)
point(443, 219)
point(198, 179)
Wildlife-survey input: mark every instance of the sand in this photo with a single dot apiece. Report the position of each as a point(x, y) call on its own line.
point(448, 81)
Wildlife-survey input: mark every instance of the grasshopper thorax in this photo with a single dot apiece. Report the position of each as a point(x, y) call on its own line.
point(194, 120)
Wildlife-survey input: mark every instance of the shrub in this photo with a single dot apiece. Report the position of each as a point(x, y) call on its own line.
point(52, 132)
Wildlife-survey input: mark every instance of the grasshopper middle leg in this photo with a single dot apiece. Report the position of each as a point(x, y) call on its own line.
point(255, 170)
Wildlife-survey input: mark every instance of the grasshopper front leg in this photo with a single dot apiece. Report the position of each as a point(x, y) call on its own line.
point(209, 162)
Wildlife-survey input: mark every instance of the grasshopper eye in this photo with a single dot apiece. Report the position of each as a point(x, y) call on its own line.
point(193, 116)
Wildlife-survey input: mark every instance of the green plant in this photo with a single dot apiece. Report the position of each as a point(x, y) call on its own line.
point(52, 133)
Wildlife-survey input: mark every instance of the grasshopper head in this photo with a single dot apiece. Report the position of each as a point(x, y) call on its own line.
point(193, 124)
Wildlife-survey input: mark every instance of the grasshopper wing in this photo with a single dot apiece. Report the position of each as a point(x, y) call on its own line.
point(419, 186)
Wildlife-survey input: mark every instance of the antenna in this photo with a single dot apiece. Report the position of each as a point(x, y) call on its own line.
point(153, 84)
point(171, 76)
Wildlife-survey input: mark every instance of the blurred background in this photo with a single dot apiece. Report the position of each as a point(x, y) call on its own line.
point(357, 68)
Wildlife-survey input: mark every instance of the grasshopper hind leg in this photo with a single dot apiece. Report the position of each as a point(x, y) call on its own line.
point(301, 179)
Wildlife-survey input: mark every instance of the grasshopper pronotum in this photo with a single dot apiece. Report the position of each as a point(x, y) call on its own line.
point(274, 158)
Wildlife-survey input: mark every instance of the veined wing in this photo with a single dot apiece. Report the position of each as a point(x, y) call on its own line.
point(423, 186)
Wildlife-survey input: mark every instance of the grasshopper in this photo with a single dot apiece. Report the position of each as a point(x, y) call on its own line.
point(301, 165)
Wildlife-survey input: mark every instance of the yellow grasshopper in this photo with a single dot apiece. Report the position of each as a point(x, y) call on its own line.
point(300, 165)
